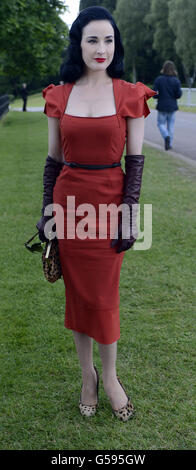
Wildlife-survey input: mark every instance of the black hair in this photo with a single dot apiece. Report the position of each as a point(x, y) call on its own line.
point(73, 67)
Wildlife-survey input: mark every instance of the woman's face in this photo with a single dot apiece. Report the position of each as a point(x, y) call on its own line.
point(98, 43)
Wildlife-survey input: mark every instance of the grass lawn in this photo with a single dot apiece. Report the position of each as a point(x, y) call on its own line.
point(33, 100)
point(40, 372)
point(187, 109)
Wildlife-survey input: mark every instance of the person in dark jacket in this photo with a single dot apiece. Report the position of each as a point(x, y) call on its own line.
point(24, 95)
point(169, 90)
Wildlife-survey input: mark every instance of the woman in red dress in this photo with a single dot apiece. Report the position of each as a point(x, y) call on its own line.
point(89, 119)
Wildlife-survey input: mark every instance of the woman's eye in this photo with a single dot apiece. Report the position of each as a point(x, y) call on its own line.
point(93, 40)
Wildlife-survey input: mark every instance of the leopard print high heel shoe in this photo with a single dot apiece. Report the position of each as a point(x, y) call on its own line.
point(90, 410)
point(127, 411)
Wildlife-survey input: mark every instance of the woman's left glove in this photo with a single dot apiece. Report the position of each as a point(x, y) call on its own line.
point(51, 170)
point(133, 178)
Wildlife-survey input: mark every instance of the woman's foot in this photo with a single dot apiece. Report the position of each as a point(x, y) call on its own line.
point(115, 392)
point(89, 388)
point(120, 401)
point(88, 402)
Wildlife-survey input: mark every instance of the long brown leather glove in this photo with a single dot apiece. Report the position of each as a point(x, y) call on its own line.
point(51, 171)
point(133, 178)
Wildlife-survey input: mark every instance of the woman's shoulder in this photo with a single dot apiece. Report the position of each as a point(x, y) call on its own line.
point(134, 90)
point(138, 88)
point(53, 90)
point(166, 78)
point(54, 97)
point(133, 98)
point(176, 79)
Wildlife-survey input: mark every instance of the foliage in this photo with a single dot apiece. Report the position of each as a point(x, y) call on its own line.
point(182, 20)
point(109, 4)
point(163, 36)
point(135, 40)
point(32, 38)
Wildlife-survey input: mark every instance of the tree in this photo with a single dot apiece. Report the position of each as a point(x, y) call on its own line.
point(130, 16)
point(32, 38)
point(109, 4)
point(163, 35)
point(182, 19)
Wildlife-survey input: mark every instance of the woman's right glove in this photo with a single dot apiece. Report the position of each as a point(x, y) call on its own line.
point(51, 170)
point(133, 179)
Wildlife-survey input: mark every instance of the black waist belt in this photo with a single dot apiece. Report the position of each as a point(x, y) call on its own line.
point(91, 167)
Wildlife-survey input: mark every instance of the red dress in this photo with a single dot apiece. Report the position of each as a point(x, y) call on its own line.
point(91, 268)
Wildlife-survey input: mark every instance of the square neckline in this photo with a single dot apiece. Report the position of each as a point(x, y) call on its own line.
point(91, 117)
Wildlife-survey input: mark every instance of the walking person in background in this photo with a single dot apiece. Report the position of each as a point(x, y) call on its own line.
point(24, 95)
point(169, 90)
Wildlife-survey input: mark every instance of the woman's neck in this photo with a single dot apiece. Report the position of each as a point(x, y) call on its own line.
point(93, 80)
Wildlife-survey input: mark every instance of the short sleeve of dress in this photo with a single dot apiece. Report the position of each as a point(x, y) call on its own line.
point(134, 102)
point(52, 108)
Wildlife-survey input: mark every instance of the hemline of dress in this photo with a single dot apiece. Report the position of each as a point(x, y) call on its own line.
point(93, 337)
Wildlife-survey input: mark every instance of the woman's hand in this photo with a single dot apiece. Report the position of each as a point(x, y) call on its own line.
point(133, 179)
point(123, 243)
point(41, 225)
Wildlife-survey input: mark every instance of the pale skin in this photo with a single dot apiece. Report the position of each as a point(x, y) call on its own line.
point(83, 101)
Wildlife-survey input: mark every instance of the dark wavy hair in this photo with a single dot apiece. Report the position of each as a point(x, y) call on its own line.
point(73, 67)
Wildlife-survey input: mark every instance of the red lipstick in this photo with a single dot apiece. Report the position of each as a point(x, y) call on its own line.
point(100, 60)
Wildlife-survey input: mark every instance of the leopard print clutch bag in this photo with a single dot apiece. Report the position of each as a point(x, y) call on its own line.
point(51, 261)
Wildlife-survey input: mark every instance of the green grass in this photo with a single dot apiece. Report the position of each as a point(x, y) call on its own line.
point(33, 100)
point(187, 109)
point(40, 372)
